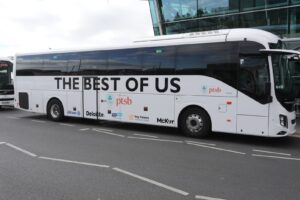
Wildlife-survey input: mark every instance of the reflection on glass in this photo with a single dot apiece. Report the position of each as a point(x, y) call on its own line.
point(275, 21)
point(295, 20)
point(181, 16)
point(154, 17)
point(295, 2)
point(208, 7)
point(178, 9)
point(261, 4)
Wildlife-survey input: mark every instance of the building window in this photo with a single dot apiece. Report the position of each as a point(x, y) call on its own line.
point(173, 10)
point(280, 17)
point(208, 7)
point(295, 21)
point(154, 17)
point(275, 21)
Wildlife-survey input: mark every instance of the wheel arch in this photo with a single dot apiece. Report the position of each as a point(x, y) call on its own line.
point(191, 107)
point(51, 99)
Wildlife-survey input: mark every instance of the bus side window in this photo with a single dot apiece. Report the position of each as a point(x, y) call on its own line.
point(55, 64)
point(125, 62)
point(159, 60)
point(218, 61)
point(30, 65)
point(91, 63)
point(73, 64)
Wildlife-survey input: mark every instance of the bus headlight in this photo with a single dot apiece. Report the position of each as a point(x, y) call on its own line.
point(283, 120)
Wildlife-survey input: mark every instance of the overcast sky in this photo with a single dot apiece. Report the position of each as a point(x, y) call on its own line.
point(37, 25)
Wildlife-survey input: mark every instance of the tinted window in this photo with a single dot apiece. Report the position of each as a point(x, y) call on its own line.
point(92, 63)
point(29, 65)
point(125, 61)
point(73, 63)
point(218, 60)
point(55, 64)
point(253, 72)
point(159, 60)
point(6, 69)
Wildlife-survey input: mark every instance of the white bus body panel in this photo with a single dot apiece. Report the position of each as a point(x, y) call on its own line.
point(74, 104)
point(252, 111)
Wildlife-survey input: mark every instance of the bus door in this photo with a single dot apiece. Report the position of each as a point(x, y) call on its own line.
point(253, 95)
point(90, 98)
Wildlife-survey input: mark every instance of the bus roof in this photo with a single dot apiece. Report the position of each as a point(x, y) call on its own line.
point(5, 59)
point(225, 35)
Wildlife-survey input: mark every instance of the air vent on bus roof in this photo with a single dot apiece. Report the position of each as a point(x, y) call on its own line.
point(184, 35)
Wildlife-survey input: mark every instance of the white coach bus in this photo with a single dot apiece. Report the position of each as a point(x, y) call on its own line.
point(6, 83)
point(232, 81)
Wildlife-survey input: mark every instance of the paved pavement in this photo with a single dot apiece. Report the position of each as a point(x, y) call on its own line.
point(81, 159)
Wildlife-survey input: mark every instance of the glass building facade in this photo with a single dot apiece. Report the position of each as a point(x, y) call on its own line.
point(281, 17)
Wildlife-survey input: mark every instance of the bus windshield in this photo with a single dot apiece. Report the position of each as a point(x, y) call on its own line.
point(283, 79)
point(5, 75)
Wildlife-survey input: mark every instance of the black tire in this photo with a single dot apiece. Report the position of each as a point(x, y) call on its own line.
point(195, 122)
point(55, 110)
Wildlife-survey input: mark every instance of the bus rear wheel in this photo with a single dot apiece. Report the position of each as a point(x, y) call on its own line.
point(55, 110)
point(195, 122)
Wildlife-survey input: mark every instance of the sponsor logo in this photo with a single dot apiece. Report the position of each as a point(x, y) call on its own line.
point(110, 99)
point(215, 90)
point(123, 101)
point(204, 89)
point(117, 115)
point(165, 121)
point(77, 113)
point(94, 114)
point(138, 118)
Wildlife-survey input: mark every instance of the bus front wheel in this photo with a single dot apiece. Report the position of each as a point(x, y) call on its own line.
point(195, 122)
point(55, 110)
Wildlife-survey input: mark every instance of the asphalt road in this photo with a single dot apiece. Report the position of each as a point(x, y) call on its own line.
point(82, 159)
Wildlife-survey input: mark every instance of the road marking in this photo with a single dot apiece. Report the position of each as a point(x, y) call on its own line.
point(106, 130)
point(38, 121)
point(144, 135)
point(2, 143)
point(153, 139)
point(13, 117)
point(207, 198)
point(201, 143)
point(84, 129)
point(70, 125)
point(21, 150)
point(152, 182)
point(74, 162)
point(108, 133)
point(219, 149)
point(284, 158)
point(271, 152)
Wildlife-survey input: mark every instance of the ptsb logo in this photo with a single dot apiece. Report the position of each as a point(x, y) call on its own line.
point(123, 101)
point(165, 121)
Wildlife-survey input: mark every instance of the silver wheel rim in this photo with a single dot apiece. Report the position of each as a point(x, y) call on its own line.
point(194, 123)
point(55, 111)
